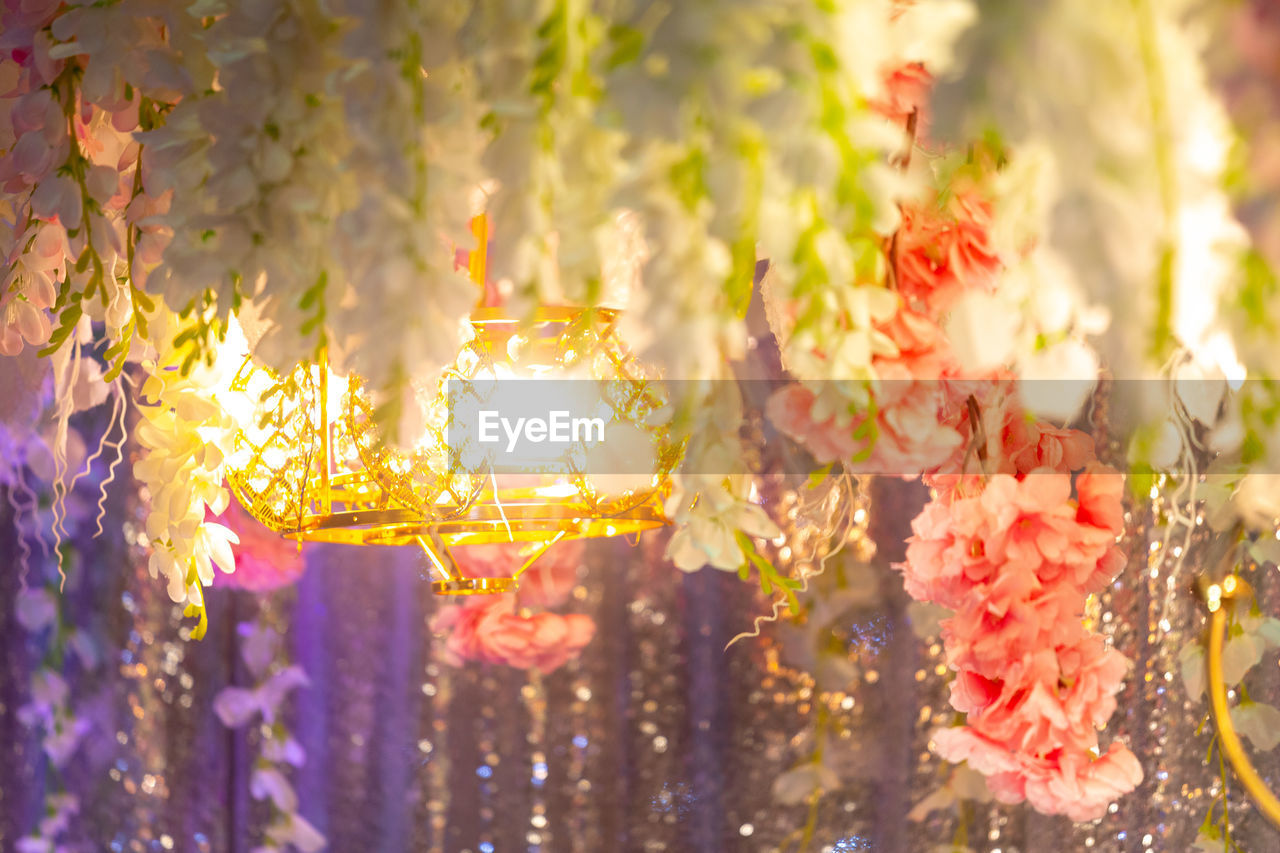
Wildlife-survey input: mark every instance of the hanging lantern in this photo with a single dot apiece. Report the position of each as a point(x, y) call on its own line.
point(463, 496)
point(294, 466)
point(310, 462)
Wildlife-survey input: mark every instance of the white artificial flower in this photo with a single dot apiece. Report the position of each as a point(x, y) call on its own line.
point(1057, 380)
point(236, 706)
point(1256, 501)
point(1089, 188)
point(48, 696)
point(982, 329)
point(36, 609)
point(259, 645)
point(213, 547)
point(706, 533)
point(268, 782)
point(288, 751)
point(797, 785)
point(1201, 389)
point(927, 31)
point(294, 829)
point(62, 740)
point(185, 436)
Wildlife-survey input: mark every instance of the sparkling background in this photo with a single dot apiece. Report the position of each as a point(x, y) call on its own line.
point(657, 739)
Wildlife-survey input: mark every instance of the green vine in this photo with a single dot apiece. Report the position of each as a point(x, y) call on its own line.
point(770, 578)
point(1162, 335)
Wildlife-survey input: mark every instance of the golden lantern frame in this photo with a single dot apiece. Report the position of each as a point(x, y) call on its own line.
point(339, 489)
point(478, 510)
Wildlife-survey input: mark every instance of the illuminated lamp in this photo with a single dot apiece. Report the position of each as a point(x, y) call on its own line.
point(311, 462)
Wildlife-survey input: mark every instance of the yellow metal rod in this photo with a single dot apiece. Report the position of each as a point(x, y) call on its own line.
point(478, 259)
point(1231, 746)
point(439, 556)
point(326, 467)
point(539, 549)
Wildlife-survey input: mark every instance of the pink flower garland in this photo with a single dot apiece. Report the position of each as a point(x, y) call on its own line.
point(944, 251)
point(915, 424)
point(1008, 550)
point(1016, 560)
point(494, 629)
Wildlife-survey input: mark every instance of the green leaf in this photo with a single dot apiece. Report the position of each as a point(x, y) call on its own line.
point(628, 45)
point(1191, 664)
point(687, 178)
point(1265, 549)
point(818, 477)
point(67, 322)
point(1258, 722)
point(198, 632)
point(314, 292)
point(189, 362)
point(1240, 655)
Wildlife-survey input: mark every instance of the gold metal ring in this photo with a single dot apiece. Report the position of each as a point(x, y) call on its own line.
point(1217, 598)
point(474, 586)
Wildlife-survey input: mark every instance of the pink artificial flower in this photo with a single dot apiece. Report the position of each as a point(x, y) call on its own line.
point(911, 435)
point(1101, 494)
point(923, 349)
point(1080, 786)
point(1042, 707)
point(21, 321)
point(546, 583)
point(1047, 447)
point(490, 629)
point(961, 743)
point(942, 253)
point(264, 560)
point(790, 409)
point(910, 438)
point(1071, 783)
point(1003, 425)
point(906, 91)
point(1025, 529)
point(994, 641)
point(1094, 674)
point(1015, 556)
point(971, 692)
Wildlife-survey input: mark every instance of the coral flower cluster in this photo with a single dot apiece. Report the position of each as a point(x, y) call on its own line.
point(943, 249)
point(1016, 559)
point(941, 254)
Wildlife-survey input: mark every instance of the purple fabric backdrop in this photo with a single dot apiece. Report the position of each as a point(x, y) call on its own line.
point(657, 739)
